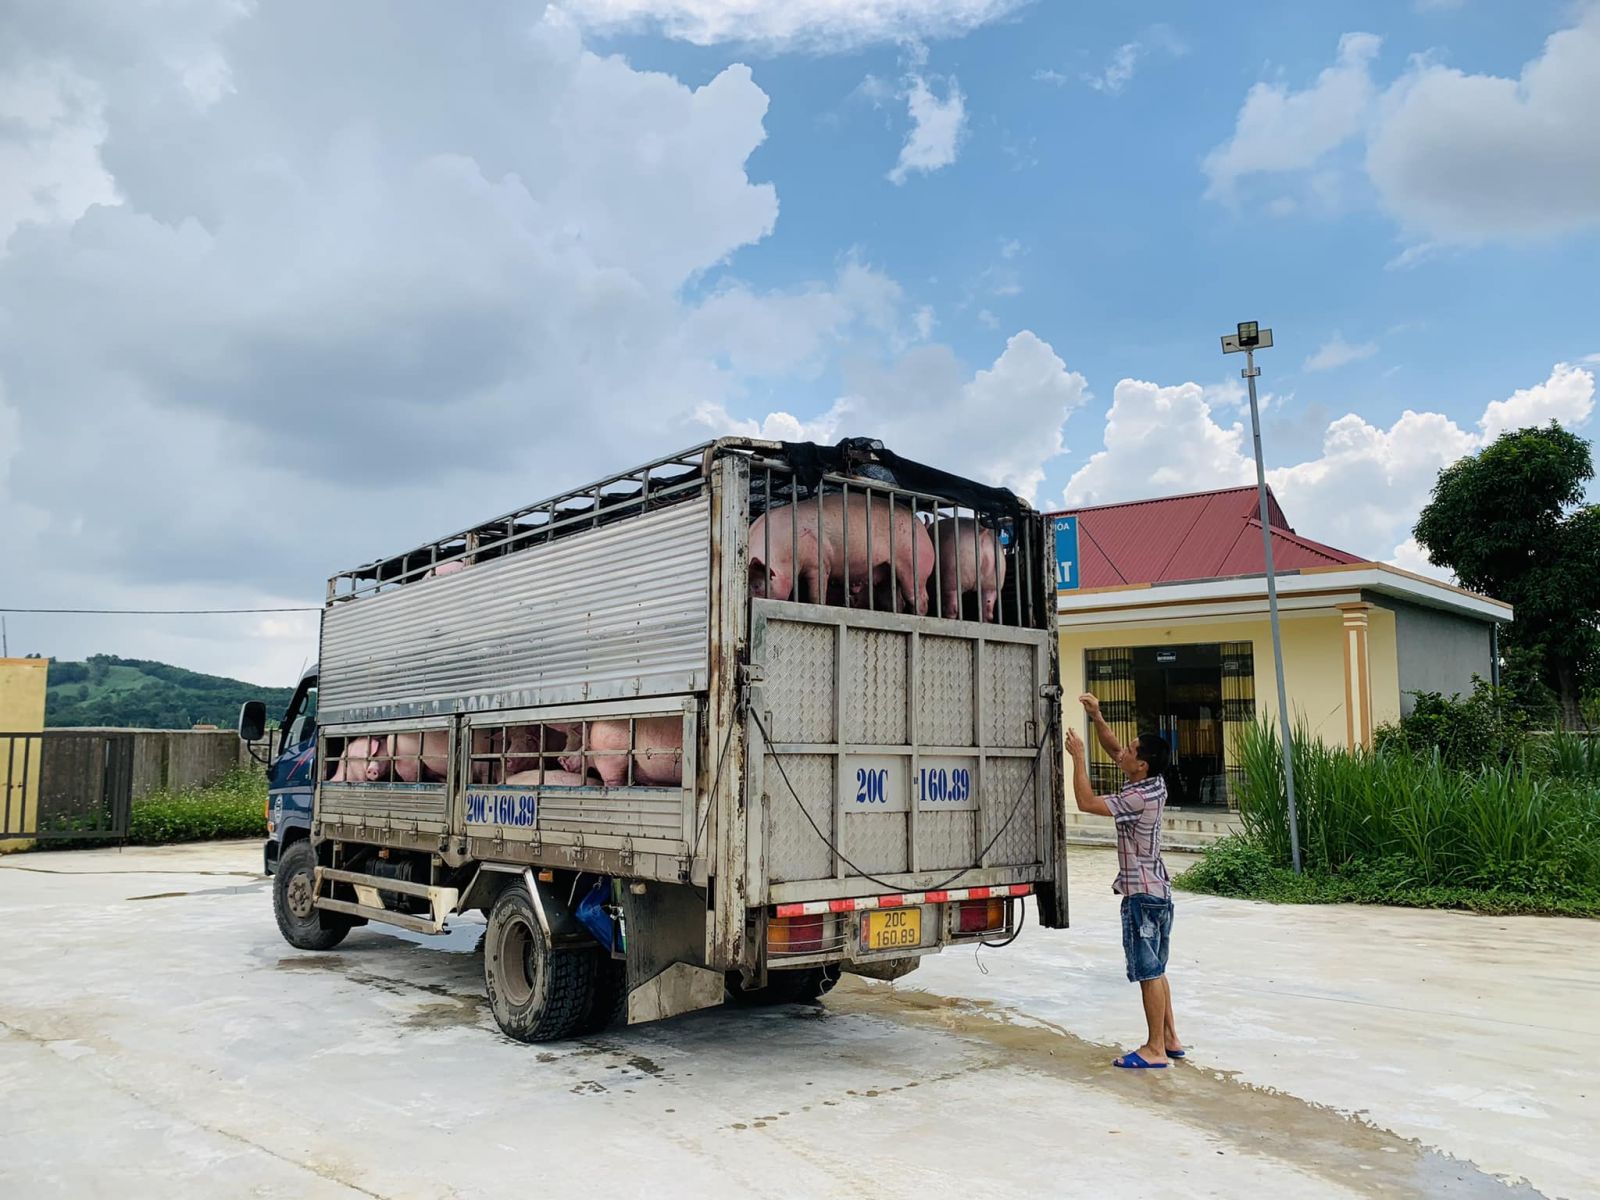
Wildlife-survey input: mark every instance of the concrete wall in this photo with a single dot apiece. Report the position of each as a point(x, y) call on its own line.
point(175, 759)
point(1437, 651)
point(1383, 662)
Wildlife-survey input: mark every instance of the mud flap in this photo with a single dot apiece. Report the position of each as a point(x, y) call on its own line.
point(665, 931)
point(680, 988)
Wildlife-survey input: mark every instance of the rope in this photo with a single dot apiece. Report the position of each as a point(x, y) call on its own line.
point(1033, 771)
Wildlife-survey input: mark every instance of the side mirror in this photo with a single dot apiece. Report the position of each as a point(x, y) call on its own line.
point(252, 720)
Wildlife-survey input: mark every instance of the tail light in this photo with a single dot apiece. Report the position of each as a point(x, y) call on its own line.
point(795, 935)
point(980, 916)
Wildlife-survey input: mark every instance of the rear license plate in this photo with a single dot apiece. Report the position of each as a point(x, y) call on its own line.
point(894, 929)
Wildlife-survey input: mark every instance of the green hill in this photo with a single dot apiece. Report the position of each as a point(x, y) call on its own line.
point(133, 692)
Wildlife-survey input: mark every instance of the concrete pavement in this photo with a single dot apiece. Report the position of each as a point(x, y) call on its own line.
point(158, 1038)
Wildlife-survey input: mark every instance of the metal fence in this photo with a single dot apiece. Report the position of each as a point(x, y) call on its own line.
point(66, 785)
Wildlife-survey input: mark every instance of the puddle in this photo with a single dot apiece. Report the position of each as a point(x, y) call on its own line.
point(1319, 1140)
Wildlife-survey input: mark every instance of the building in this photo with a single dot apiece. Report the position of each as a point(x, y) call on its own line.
point(1163, 614)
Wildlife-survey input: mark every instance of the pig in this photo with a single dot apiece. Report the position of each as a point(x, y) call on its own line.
point(527, 744)
point(970, 560)
point(365, 760)
point(657, 751)
point(445, 568)
point(420, 756)
point(801, 569)
point(551, 779)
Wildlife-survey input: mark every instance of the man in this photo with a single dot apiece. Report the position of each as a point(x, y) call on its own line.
point(1141, 875)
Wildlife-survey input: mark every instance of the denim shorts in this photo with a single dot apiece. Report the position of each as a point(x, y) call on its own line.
point(1146, 926)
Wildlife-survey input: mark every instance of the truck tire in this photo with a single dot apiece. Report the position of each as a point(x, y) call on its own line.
point(537, 994)
point(293, 889)
point(806, 985)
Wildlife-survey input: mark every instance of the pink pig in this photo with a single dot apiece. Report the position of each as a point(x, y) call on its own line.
point(657, 751)
point(801, 555)
point(430, 751)
point(365, 760)
point(551, 779)
point(970, 560)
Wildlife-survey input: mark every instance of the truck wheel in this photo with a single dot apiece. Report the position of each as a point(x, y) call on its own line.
point(610, 1004)
point(537, 994)
point(806, 985)
point(302, 924)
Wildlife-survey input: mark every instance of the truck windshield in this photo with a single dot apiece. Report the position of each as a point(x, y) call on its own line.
point(300, 722)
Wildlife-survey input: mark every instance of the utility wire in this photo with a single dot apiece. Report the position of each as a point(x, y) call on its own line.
point(162, 612)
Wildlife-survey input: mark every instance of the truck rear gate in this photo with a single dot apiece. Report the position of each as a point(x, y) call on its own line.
point(583, 701)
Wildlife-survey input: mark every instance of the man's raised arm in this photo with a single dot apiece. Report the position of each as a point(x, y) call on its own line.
point(1101, 729)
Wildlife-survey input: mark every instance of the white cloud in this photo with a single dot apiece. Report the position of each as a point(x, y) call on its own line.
point(1283, 130)
point(1463, 157)
point(1004, 423)
point(1336, 352)
point(1410, 556)
point(1160, 440)
point(1119, 70)
point(316, 336)
point(50, 167)
point(936, 130)
point(811, 24)
point(1455, 158)
point(1362, 493)
point(1567, 398)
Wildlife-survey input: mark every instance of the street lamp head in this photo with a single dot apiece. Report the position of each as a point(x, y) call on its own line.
point(1249, 336)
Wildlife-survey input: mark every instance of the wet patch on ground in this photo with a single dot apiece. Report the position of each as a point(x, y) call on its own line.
point(1261, 1121)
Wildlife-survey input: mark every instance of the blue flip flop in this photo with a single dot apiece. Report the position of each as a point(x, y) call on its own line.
point(1131, 1061)
point(1176, 1053)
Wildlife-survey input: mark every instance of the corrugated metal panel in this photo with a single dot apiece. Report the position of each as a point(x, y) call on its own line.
point(622, 611)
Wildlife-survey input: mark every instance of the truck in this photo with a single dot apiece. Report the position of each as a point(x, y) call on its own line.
point(714, 729)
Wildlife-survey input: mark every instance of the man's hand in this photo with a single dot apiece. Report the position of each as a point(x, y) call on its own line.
point(1074, 744)
point(1090, 704)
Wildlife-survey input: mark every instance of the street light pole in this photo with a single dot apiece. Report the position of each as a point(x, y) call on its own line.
point(1249, 338)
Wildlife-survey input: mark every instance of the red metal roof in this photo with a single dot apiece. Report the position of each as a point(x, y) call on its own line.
point(1204, 535)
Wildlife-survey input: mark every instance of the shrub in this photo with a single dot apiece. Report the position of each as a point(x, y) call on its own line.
point(1485, 729)
point(230, 808)
point(1500, 825)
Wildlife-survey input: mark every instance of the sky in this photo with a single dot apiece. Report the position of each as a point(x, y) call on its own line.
point(286, 287)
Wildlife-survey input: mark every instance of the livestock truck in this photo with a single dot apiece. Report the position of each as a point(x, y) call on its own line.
point(716, 728)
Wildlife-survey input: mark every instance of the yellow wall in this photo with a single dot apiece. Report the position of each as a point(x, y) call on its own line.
point(22, 684)
point(1313, 662)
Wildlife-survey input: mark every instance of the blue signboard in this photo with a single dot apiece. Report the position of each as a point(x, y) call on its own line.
point(1066, 553)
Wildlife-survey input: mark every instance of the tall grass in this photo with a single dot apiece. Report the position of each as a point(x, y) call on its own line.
point(1527, 824)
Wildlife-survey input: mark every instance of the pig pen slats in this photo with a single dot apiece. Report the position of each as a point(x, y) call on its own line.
point(802, 551)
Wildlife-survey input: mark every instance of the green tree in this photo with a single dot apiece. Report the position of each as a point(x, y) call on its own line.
point(1510, 521)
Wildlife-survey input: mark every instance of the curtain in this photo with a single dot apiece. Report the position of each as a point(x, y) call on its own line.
point(1238, 704)
point(1109, 674)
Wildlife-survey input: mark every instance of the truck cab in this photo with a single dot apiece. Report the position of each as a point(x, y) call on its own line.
point(291, 766)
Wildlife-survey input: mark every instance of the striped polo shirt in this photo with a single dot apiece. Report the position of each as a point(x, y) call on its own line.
point(1137, 809)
